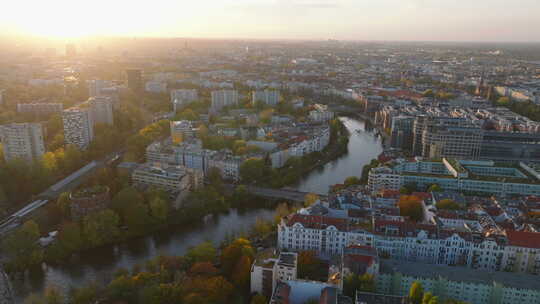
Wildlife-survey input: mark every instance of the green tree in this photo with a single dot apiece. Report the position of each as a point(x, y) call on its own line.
point(22, 246)
point(125, 199)
point(434, 300)
point(137, 218)
point(416, 293)
point(503, 101)
point(254, 171)
point(427, 297)
point(447, 204)
point(101, 227)
point(204, 252)
point(53, 296)
point(159, 209)
point(63, 202)
point(86, 294)
point(434, 188)
point(352, 180)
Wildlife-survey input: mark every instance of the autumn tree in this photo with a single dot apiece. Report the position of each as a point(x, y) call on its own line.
point(411, 206)
point(22, 246)
point(310, 199)
point(416, 293)
point(204, 252)
point(101, 227)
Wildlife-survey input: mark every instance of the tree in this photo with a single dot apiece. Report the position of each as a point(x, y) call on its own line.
point(53, 296)
point(310, 199)
point(125, 199)
point(159, 208)
point(63, 202)
point(204, 252)
point(447, 204)
point(259, 299)
point(205, 269)
point(85, 294)
point(308, 265)
point(416, 293)
point(411, 206)
point(434, 300)
point(427, 297)
point(137, 218)
point(434, 188)
point(254, 170)
point(101, 227)
point(241, 273)
point(352, 180)
point(215, 178)
point(262, 227)
point(232, 255)
point(503, 101)
point(22, 246)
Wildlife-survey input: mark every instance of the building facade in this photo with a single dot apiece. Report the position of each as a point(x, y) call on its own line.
point(22, 140)
point(78, 127)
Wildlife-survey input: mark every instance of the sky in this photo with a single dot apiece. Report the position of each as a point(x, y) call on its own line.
point(408, 20)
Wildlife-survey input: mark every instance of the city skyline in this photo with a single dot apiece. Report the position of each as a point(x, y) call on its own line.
point(390, 20)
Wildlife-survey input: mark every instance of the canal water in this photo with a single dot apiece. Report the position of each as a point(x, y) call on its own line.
point(98, 265)
point(364, 145)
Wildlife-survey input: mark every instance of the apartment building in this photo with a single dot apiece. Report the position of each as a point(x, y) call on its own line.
point(267, 271)
point(78, 127)
point(173, 179)
point(268, 97)
point(321, 114)
point(102, 110)
point(484, 177)
point(22, 140)
point(181, 131)
point(223, 98)
point(183, 97)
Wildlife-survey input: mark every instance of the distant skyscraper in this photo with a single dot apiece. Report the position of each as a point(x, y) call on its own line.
point(78, 127)
point(71, 50)
point(223, 98)
point(22, 140)
point(134, 79)
point(102, 110)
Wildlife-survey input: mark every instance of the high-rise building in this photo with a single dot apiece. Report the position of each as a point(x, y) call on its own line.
point(268, 97)
point(22, 140)
point(223, 98)
point(40, 108)
point(134, 79)
point(71, 50)
point(78, 127)
point(102, 110)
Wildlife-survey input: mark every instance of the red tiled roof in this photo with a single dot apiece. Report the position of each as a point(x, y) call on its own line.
point(317, 221)
point(523, 239)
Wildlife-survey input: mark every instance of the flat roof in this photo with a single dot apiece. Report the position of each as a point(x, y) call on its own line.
point(458, 273)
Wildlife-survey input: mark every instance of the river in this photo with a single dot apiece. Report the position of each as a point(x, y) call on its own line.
point(99, 264)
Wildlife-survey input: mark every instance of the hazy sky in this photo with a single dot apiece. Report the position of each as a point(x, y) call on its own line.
point(450, 20)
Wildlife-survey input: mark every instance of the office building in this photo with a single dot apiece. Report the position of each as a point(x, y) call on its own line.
point(268, 97)
point(78, 127)
point(22, 140)
point(134, 79)
point(102, 110)
point(223, 98)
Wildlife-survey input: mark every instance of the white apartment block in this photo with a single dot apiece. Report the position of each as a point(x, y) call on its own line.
point(267, 272)
point(78, 127)
point(224, 98)
point(102, 110)
point(183, 97)
point(22, 140)
point(314, 143)
point(268, 97)
point(409, 242)
point(321, 114)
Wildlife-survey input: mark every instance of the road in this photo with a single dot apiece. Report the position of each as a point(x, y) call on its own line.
point(69, 183)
